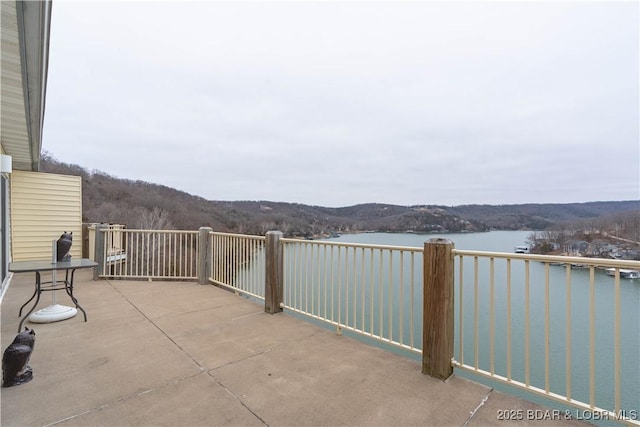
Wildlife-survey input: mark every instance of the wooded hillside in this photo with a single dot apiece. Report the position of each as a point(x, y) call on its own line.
point(139, 204)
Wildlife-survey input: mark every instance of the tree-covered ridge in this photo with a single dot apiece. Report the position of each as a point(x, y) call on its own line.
point(139, 204)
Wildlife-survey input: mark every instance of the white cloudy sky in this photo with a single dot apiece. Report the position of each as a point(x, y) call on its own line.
point(337, 103)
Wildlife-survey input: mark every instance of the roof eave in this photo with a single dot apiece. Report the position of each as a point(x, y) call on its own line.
point(25, 56)
point(34, 24)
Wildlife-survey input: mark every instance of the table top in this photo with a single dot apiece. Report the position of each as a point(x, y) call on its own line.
point(46, 265)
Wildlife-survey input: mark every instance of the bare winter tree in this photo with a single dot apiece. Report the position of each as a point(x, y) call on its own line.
point(154, 219)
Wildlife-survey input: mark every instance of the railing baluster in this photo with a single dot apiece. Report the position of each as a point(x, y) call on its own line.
point(128, 250)
point(253, 269)
point(492, 316)
point(316, 286)
point(355, 289)
point(527, 327)
point(146, 253)
point(326, 278)
point(616, 345)
point(371, 291)
point(308, 279)
point(508, 319)
point(568, 332)
point(461, 308)
point(105, 251)
point(401, 303)
point(347, 287)
point(167, 251)
point(214, 252)
point(412, 343)
point(362, 287)
point(380, 298)
point(332, 264)
point(592, 340)
point(179, 249)
point(152, 254)
point(223, 259)
point(476, 315)
point(547, 321)
point(390, 295)
point(157, 253)
point(134, 252)
point(138, 255)
point(293, 293)
point(339, 286)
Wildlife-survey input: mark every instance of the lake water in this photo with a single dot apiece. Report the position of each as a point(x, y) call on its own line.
point(578, 306)
point(494, 241)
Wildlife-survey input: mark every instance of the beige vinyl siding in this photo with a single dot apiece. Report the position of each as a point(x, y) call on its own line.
point(43, 206)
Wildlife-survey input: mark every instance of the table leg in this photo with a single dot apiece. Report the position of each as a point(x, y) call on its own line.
point(37, 295)
point(68, 286)
point(35, 291)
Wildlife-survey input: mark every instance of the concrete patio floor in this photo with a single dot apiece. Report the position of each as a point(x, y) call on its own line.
point(178, 353)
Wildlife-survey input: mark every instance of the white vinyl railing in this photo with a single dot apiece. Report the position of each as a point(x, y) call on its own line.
point(566, 328)
point(518, 321)
point(372, 290)
point(149, 254)
point(238, 263)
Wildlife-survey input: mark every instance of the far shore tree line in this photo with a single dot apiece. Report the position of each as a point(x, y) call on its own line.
point(610, 236)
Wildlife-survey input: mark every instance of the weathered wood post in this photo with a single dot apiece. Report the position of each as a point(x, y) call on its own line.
point(438, 315)
point(204, 255)
point(99, 250)
point(273, 274)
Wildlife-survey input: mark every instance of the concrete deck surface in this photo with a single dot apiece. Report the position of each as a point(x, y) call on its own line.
point(176, 353)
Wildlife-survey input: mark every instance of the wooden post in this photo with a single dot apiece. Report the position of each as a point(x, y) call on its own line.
point(438, 315)
point(91, 235)
point(204, 255)
point(273, 274)
point(98, 255)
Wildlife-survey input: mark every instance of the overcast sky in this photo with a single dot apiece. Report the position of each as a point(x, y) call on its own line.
point(337, 103)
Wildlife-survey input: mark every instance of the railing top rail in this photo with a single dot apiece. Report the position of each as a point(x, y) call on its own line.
point(600, 262)
point(133, 230)
point(352, 245)
point(111, 226)
point(241, 236)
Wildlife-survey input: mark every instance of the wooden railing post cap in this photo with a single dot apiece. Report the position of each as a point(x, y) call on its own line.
point(272, 232)
point(440, 241)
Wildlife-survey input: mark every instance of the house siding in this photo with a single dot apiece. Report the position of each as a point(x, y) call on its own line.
point(43, 206)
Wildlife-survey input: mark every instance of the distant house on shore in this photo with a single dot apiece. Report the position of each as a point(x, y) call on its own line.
point(577, 247)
